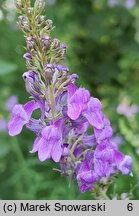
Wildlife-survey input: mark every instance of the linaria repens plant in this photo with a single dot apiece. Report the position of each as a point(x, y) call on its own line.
point(67, 111)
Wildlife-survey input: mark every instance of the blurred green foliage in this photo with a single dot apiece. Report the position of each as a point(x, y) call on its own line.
point(103, 49)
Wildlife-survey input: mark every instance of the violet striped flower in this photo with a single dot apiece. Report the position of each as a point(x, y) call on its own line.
point(67, 111)
point(21, 115)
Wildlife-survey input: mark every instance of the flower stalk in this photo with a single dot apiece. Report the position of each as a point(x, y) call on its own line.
point(67, 111)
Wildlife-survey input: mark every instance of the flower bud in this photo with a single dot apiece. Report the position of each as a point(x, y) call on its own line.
point(33, 84)
point(49, 70)
point(29, 11)
point(27, 56)
point(59, 67)
point(41, 21)
point(65, 71)
point(39, 6)
point(30, 43)
point(74, 77)
point(46, 42)
point(22, 19)
point(56, 44)
point(63, 48)
point(30, 76)
point(19, 5)
point(42, 18)
point(23, 23)
point(49, 26)
point(59, 56)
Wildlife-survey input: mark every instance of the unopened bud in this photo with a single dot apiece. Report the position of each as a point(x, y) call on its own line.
point(74, 77)
point(42, 18)
point(49, 70)
point(27, 56)
point(49, 26)
point(39, 6)
point(30, 42)
point(63, 46)
point(41, 22)
point(23, 22)
point(19, 5)
point(56, 44)
point(46, 42)
point(29, 11)
point(65, 71)
point(59, 67)
point(33, 83)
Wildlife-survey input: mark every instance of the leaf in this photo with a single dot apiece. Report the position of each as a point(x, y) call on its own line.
point(7, 67)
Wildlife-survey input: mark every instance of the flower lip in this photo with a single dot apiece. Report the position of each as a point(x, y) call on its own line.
point(21, 115)
point(77, 101)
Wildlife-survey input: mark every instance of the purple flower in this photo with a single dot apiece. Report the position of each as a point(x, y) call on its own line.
point(35, 125)
point(130, 3)
point(81, 126)
point(125, 165)
point(89, 140)
point(127, 110)
point(77, 101)
point(94, 114)
point(107, 159)
point(86, 177)
point(104, 133)
point(72, 128)
point(35, 87)
point(3, 125)
point(21, 115)
point(49, 143)
point(118, 140)
point(78, 151)
point(10, 103)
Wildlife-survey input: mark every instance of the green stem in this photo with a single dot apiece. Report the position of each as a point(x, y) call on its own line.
point(100, 193)
point(104, 196)
point(52, 100)
point(75, 144)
